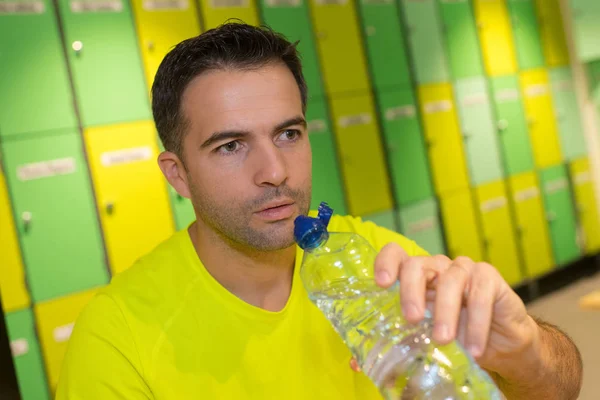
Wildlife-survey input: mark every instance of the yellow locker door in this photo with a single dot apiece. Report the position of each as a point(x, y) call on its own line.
point(543, 129)
point(55, 320)
point(552, 33)
point(461, 225)
point(361, 154)
point(496, 38)
point(131, 191)
point(12, 275)
point(587, 210)
point(532, 230)
point(499, 236)
point(161, 24)
point(339, 43)
point(443, 138)
point(217, 12)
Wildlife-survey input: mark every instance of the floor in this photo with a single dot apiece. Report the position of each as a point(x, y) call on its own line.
point(562, 309)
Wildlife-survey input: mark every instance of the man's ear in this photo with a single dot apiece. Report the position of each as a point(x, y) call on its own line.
point(174, 170)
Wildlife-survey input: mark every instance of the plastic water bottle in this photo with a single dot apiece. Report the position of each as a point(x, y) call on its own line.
point(400, 358)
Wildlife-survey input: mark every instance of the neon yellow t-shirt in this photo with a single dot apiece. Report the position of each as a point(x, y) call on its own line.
point(166, 329)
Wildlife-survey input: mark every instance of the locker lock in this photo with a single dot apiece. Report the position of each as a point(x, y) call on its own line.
point(551, 216)
point(502, 125)
point(26, 217)
point(370, 31)
point(150, 45)
point(77, 46)
point(110, 207)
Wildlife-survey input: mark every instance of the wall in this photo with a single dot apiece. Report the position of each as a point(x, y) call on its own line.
point(456, 123)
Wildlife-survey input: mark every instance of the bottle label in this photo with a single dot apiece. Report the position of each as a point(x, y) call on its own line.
point(46, 169)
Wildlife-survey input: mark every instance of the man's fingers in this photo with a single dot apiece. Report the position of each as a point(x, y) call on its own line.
point(449, 298)
point(387, 264)
point(480, 304)
point(415, 273)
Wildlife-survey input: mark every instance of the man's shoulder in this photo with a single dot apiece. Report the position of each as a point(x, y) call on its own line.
point(376, 234)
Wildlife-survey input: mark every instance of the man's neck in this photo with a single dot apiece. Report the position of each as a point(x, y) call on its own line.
point(263, 279)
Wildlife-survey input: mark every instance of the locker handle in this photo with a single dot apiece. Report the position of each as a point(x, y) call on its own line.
point(26, 217)
point(551, 217)
point(77, 46)
point(502, 125)
point(371, 30)
point(466, 134)
point(110, 207)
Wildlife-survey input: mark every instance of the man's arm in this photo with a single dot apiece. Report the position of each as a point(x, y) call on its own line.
point(102, 361)
point(552, 368)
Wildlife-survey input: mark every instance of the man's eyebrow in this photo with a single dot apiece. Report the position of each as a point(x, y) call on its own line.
point(223, 135)
point(299, 120)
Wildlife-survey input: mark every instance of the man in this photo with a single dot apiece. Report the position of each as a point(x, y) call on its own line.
point(218, 310)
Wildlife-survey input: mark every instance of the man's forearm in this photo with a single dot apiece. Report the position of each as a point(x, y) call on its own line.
point(559, 372)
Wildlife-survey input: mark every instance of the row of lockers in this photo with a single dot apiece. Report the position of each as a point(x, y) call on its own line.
point(525, 226)
point(111, 45)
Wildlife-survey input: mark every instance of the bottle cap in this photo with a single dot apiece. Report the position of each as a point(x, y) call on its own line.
point(310, 232)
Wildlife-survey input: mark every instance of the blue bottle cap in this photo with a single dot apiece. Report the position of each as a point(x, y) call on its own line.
point(310, 232)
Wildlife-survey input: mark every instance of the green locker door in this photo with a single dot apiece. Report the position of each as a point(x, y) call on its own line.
point(461, 38)
point(586, 14)
point(34, 77)
point(478, 130)
point(385, 219)
point(526, 33)
point(560, 214)
point(566, 110)
point(511, 124)
point(27, 356)
point(326, 178)
point(407, 155)
point(56, 217)
point(340, 46)
point(425, 35)
point(105, 61)
point(361, 153)
point(291, 18)
point(420, 222)
point(385, 44)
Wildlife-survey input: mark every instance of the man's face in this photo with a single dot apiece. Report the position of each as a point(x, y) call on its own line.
point(247, 155)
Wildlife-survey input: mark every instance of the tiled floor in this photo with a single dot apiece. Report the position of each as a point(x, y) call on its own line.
point(561, 308)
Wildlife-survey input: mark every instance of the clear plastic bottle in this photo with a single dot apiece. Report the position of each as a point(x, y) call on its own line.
point(400, 358)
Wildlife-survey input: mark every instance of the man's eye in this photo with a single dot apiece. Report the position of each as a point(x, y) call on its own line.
point(290, 134)
point(230, 147)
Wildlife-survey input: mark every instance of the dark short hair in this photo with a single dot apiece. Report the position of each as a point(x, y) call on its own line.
point(234, 45)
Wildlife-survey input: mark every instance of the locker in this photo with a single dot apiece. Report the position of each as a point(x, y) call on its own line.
point(129, 187)
point(426, 41)
point(586, 205)
point(461, 39)
point(385, 219)
point(511, 124)
point(566, 110)
point(586, 30)
point(26, 355)
point(363, 165)
point(554, 43)
point(442, 137)
point(339, 46)
point(532, 231)
point(496, 37)
point(420, 222)
point(499, 236)
point(28, 68)
point(526, 33)
point(161, 24)
point(217, 12)
point(560, 214)
point(56, 220)
point(105, 63)
point(291, 18)
point(543, 131)
point(479, 134)
point(385, 44)
point(463, 237)
point(12, 278)
point(55, 321)
point(326, 177)
point(407, 156)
